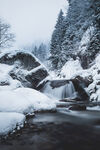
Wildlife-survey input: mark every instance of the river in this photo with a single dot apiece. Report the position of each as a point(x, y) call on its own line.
point(62, 130)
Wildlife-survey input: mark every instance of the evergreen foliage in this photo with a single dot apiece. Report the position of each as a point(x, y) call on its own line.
point(56, 42)
point(82, 19)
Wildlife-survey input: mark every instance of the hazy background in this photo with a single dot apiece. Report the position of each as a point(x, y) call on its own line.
point(31, 20)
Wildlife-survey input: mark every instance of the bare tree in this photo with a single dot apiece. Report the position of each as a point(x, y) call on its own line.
point(6, 37)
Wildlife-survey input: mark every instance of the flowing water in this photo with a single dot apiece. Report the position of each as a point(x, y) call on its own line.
point(64, 91)
point(57, 131)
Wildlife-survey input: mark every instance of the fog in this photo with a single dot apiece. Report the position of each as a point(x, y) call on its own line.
point(31, 20)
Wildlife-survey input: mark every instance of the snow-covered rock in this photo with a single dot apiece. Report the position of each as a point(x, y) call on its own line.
point(24, 67)
point(25, 100)
point(10, 121)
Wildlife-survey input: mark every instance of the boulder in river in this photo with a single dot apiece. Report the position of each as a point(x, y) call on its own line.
point(77, 107)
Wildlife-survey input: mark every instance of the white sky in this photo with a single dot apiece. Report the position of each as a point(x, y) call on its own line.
point(31, 20)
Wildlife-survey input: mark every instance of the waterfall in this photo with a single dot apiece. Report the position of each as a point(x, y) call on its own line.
point(61, 92)
point(68, 90)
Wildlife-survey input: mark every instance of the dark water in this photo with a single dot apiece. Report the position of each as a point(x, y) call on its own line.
point(57, 131)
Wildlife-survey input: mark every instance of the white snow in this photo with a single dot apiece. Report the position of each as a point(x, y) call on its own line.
point(71, 69)
point(97, 108)
point(86, 39)
point(4, 70)
point(11, 53)
point(10, 121)
point(94, 87)
point(35, 69)
point(38, 100)
point(24, 100)
point(17, 101)
point(14, 104)
point(5, 78)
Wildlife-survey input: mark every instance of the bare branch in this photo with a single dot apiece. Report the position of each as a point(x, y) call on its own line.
point(6, 37)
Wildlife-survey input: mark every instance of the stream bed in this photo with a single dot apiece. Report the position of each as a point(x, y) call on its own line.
point(62, 130)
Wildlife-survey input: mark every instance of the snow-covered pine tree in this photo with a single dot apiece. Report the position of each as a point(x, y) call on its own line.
point(81, 17)
point(77, 34)
point(42, 52)
point(56, 41)
point(35, 51)
point(94, 45)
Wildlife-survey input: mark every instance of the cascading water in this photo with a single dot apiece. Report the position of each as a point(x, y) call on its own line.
point(68, 90)
point(61, 92)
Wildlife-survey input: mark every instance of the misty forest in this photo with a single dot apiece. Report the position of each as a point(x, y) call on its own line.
point(50, 90)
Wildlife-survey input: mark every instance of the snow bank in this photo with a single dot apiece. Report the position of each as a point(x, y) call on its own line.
point(37, 100)
point(25, 100)
point(96, 108)
point(9, 121)
point(71, 69)
point(15, 103)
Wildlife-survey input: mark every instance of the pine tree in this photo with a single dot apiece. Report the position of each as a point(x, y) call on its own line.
point(35, 51)
point(56, 41)
point(42, 52)
point(69, 32)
